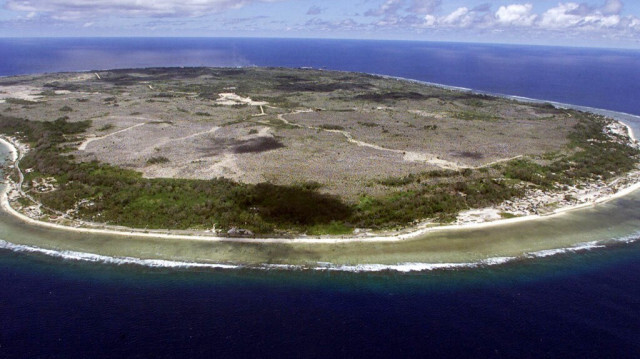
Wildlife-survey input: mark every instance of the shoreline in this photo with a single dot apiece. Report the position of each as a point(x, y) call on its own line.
point(409, 233)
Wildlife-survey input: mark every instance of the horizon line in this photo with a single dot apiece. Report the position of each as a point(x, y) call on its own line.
point(488, 43)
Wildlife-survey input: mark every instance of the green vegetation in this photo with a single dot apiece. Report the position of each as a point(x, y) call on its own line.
point(442, 202)
point(44, 135)
point(293, 83)
point(106, 127)
point(471, 99)
point(332, 127)
point(166, 95)
point(595, 156)
point(474, 116)
point(273, 122)
point(334, 228)
point(441, 194)
point(123, 197)
point(157, 159)
point(282, 101)
point(474, 102)
point(391, 96)
point(19, 101)
point(398, 181)
point(528, 171)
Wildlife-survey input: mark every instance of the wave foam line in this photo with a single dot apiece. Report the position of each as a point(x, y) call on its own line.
point(97, 258)
point(416, 267)
point(577, 248)
point(321, 266)
point(586, 246)
point(160, 263)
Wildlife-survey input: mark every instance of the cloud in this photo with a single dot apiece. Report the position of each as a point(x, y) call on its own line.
point(484, 7)
point(612, 7)
point(388, 8)
point(424, 6)
point(602, 21)
point(331, 26)
point(563, 15)
point(244, 20)
point(77, 9)
point(391, 8)
point(515, 18)
point(430, 21)
point(579, 16)
point(455, 17)
point(516, 14)
point(567, 19)
point(314, 10)
point(464, 17)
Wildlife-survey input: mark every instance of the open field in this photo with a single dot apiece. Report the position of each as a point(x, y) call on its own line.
point(383, 152)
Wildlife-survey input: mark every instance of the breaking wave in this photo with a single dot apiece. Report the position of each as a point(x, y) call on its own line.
point(97, 258)
point(321, 266)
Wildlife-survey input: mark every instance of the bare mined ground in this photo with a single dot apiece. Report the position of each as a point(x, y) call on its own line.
point(345, 131)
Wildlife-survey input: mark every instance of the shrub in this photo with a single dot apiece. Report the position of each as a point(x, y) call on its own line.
point(332, 127)
point(157, 160)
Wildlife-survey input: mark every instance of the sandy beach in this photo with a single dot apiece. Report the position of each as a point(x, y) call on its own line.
point(417, 231)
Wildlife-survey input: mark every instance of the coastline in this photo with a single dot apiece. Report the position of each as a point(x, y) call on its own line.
point(405, 234)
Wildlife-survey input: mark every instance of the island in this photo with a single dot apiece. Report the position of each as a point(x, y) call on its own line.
point(295, 153)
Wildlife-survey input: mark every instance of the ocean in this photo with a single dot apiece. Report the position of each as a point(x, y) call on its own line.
point(574, 304)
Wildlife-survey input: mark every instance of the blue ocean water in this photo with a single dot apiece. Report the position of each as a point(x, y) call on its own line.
point(577, 305)
point(608, 79)
point(582, 305)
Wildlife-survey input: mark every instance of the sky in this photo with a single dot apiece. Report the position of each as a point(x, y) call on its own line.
point(588, 23)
